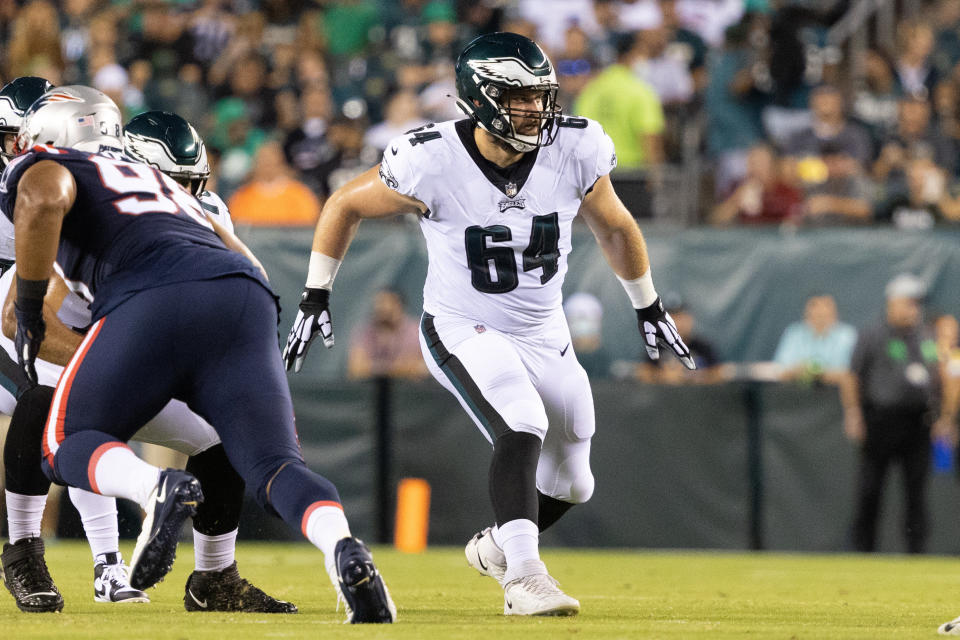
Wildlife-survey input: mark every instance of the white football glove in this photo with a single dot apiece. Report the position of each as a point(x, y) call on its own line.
point(313, 317)
point(659, 330)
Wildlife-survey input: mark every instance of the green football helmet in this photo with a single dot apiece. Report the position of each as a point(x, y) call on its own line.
point(168, 142)
point(491, 69)
point(15, 97)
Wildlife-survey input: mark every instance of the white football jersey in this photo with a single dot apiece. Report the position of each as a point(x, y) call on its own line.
point(75, 310)
point(497, 239)
point(216, 208)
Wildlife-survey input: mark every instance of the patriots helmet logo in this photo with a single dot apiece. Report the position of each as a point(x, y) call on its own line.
point(53, 96)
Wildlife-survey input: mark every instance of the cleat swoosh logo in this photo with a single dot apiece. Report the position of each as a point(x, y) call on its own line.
point(480, 560)
point(162, 496)
point(509, 604)
point(200, 603)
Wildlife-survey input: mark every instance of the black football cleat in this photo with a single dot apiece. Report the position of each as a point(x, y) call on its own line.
point(173, 500)
point(225, 590)
point(360, 585)
point(26, 576)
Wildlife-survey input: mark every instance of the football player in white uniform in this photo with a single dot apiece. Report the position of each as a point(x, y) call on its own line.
point(496, 195)
point(216, 584)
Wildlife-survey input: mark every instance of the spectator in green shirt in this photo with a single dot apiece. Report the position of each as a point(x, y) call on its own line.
point(627, 107)
point(630, 111)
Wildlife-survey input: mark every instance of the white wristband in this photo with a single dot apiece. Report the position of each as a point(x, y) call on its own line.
point(322, 271)
point(640, 291)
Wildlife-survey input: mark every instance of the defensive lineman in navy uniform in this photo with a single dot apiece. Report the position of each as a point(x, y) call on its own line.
point(496, 195)
point(176, 314)
point(170, 144)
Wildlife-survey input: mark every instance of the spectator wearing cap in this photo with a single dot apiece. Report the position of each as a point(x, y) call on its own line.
point(817, 349)
point(585, 318)
point(273, 197)
point(890, 399)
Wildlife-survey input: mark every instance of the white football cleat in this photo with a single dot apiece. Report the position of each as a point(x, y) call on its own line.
point(485, 556)
point(537, 595)
point(111, 582)
point(951, 628)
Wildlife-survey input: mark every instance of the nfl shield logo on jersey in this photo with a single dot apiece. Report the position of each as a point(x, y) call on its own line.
point(479, 328)
point(510, 189)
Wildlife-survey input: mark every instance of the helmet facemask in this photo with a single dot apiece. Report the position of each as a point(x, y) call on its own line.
point(521, 127)
point(194, 182)
point(8, 145)
point(498, 75)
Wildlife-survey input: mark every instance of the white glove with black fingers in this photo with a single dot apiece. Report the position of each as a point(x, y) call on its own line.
point(659, 330)
point(313, 317)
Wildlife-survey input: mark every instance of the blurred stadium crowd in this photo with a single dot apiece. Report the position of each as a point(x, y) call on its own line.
point(750, 105)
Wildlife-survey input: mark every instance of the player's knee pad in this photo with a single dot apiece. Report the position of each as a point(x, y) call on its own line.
point(568, 479)
point(575, 489)
point(581, 488)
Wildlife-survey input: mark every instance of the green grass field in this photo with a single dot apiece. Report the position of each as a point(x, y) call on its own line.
point(623, 595)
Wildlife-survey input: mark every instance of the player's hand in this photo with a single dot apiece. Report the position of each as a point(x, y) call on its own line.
point(659, 330)
point(313, 317)
point(30, 332)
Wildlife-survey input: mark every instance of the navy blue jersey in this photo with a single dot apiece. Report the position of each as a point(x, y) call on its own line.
point(131, 228)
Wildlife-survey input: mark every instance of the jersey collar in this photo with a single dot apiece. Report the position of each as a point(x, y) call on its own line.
point(509, 180)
